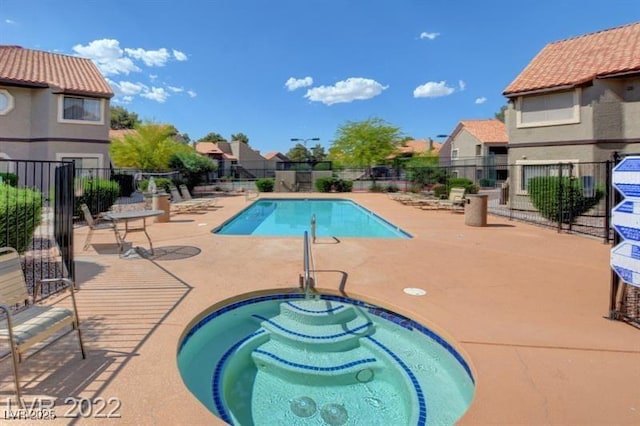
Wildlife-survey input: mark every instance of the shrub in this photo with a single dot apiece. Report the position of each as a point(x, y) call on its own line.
point(440, 191)
point(125, 182)
point(192, 166)
point(544, 192)
point(324, 184)
point(328, 184)
point(265, 184)
point(162, 184)
point(20, 215)
point(467, 184)
point(98, 194)
point(10, 179)
point(392, 188)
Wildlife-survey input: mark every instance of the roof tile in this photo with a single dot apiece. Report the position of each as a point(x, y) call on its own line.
point(487, 131)
point(71, 74)
point(580, 59)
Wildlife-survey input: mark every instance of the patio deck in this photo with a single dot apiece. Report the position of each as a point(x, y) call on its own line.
point(527, 305)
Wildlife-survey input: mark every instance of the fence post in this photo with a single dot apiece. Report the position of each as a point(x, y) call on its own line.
point(607, 202)
point(560, 206)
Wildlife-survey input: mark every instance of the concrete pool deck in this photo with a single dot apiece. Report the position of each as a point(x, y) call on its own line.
point(525, 304)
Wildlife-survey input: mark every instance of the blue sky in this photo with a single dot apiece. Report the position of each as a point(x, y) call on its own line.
point(281, 69)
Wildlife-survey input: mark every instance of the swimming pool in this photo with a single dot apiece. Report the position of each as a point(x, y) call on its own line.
point(278, 358)
point(291, 217)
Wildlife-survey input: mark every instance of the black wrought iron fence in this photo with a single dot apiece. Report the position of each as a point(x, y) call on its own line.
point(36, 217)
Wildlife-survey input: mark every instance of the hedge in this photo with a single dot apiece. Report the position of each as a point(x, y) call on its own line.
point(544, 192)
point(20, 215)
point(265, 184)
point(98, 194)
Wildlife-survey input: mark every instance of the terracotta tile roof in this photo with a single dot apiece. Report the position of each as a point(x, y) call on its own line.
point(486, 131)
point(578, 60)
point(275, 154)
point(35, 68)
point(207, 148)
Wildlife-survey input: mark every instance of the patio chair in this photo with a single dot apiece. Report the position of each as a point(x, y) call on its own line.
point(455, 201)
point(186, 195)
point(97, 225)
point(180, 205)
point(24, 321)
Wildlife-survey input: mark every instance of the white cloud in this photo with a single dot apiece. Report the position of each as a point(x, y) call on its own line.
point(481, 100)
point(433, 89)
point(461, 85)
point(153, 77)
point(157, 94)
point(108, 56)
point(430, 36)
point(351, 89)
point(192, 93)
point(296, 83)
point(127, 88)
point(179, 55)
point(175, 89)
point(10, 22)
point(151, 58)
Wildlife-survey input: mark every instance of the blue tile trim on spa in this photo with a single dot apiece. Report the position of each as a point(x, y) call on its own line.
point(315, 367)
point(373, 309)
point(309, 336)
point(215, 382)
point(422, 404)
point(311, 311)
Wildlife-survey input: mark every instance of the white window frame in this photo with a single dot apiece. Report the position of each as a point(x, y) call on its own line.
point(520, 164)
point(577, 93)
point(61, 119)
point(455, 153)
point(10, 102)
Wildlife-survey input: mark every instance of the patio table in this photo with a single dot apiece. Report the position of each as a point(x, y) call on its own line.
point(130, 216)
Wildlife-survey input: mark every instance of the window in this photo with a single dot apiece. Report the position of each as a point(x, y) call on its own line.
point(454, 154)
point(478, 150)
point(80, 110)
point(549, 109)
point(528, 169)
point(6, 102)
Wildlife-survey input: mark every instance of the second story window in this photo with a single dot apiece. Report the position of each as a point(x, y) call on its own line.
point(76, 109)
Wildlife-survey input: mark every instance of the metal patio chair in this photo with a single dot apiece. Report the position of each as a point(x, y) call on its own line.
point(24, 321)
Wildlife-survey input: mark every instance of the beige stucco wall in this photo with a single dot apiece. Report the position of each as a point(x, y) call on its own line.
point(609, 121)
point(31, 131)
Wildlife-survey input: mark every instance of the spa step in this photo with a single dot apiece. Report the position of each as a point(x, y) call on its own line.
point(299, 364)
point(318, 311)
point(322, 338)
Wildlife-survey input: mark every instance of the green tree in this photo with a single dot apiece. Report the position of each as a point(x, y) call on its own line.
point(365, 143)
point(148, 148)
point(212, 137)
point(192, 165)
point(240, 137)
point(318, 153)
point(123, 119)
point(299, 153)
point(500, 114)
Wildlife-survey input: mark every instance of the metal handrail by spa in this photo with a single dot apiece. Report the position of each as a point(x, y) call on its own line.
point(308, 281)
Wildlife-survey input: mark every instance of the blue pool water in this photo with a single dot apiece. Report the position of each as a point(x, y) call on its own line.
point(292, 217)
point(329, 360)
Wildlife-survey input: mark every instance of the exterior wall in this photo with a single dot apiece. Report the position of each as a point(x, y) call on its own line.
point(609, 121)
point(31, 129)
point(465, 143)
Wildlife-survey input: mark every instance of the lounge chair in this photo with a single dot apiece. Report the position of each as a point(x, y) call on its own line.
point(180, 205)
point(26, 322)
point(186, 195)
point(97, 225)
point(455, 201)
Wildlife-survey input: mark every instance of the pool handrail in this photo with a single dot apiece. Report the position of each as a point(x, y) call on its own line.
point(307, 279)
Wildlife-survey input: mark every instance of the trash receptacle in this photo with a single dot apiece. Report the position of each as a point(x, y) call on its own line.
point(475, 212)
point(161, 202)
